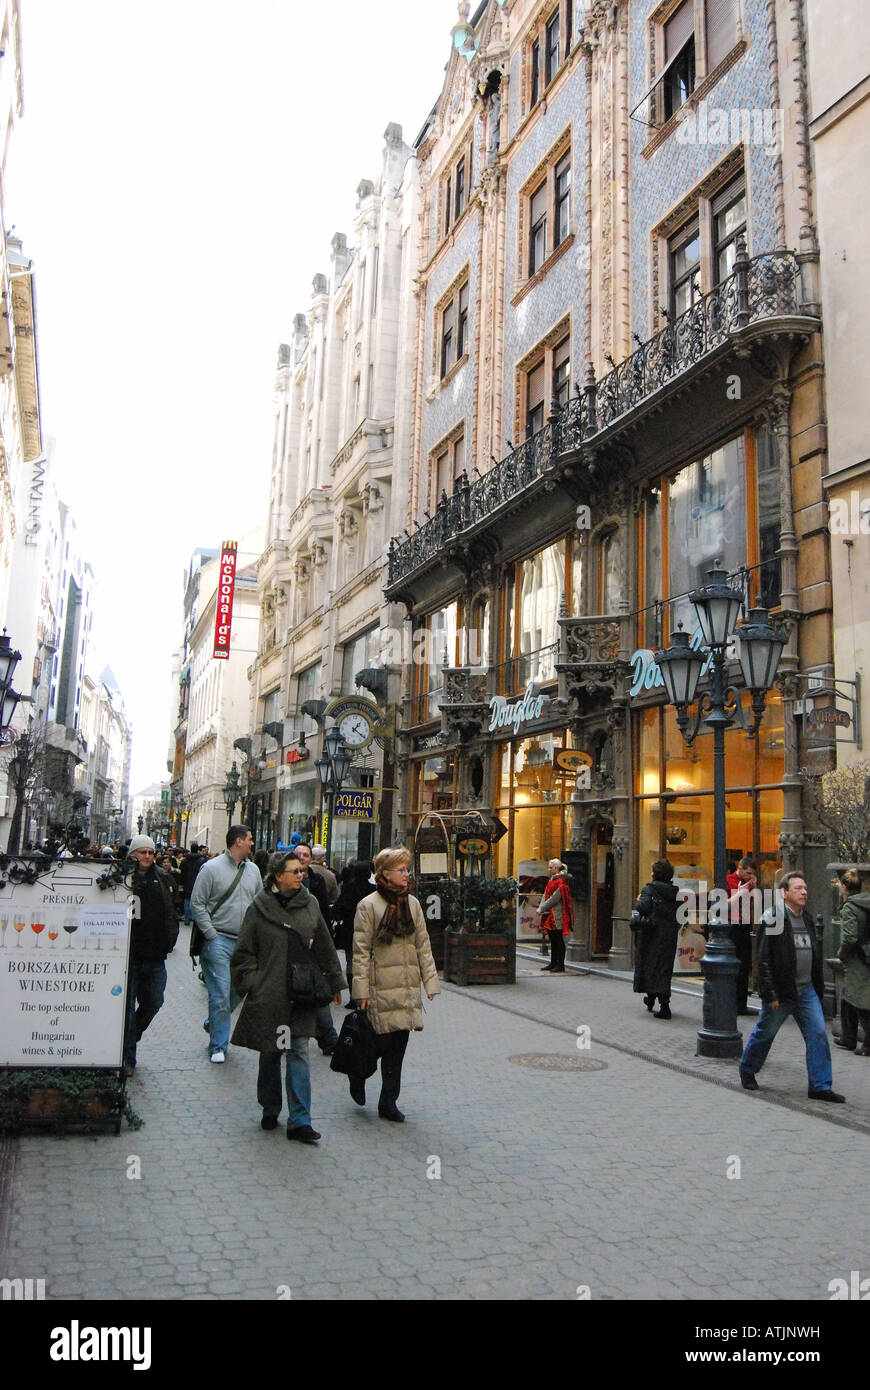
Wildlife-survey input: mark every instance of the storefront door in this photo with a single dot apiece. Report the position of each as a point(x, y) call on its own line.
point(602, 889)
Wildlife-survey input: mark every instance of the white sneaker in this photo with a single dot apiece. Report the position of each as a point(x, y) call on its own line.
point(217, 1057)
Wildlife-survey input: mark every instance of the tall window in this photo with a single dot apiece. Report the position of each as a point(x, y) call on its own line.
point(459, 189)
point(535, 399)
point(308, 684)
point(448, 463)
point(729, 220)
point(359, 654)
point(453, 326)
point(544, 380)
point(563, 199)
point(538, 228)
point(535, 89)
point(545, 208)
point(679, 72)
point(551, 48)
point(685, 255)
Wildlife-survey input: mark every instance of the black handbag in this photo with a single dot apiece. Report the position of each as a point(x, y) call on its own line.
point(356, 1050)
point(306, 982)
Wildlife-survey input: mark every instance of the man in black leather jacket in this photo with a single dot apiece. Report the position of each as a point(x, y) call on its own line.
point(154, 934)
point(789, 961)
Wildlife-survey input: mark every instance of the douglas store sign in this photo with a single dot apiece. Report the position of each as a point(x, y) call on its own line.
point(523, 711)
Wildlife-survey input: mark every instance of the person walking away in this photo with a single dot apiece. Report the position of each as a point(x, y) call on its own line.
point(790, 982)
point(154, 933)
point(190, 867)
point(282, 926)
point(357, 882)
point(556, 910)
point(854, 952)
point(224, 890)
point(320, 866)
point(392, 958)
point(654, 920)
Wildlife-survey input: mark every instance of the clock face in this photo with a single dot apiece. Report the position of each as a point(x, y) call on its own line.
point(355, 729)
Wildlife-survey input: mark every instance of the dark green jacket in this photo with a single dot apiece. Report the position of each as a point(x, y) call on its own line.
point(259, 970)
point(855, 927)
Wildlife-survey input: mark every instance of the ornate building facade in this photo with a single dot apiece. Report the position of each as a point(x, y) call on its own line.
point(338, 493)
point(618, 383)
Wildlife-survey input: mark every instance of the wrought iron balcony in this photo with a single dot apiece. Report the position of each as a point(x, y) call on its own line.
point(764, 288)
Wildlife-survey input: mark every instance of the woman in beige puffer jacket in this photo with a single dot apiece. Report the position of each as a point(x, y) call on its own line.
point(392, 958)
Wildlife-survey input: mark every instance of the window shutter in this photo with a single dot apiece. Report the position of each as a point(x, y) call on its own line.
point(679, 29)
point(721, 30)
point(535, 387)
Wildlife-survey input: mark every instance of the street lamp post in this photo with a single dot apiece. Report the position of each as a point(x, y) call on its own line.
point(332, 770)
point(9, 698)
point(759, 645)
point(231, 792)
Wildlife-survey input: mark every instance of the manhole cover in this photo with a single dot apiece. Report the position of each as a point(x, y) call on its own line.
point(557, 1061)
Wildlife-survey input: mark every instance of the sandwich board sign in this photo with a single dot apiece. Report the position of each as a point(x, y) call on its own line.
point(64, 944)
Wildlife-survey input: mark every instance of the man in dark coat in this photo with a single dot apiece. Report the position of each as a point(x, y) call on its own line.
point(154, 934)
point(789, 961)
point(654, 919)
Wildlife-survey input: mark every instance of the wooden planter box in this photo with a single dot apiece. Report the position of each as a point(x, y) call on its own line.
point(437, 934)
point(480, 958)
point(97, 1108)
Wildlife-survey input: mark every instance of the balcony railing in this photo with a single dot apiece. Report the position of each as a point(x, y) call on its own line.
point(763, 288)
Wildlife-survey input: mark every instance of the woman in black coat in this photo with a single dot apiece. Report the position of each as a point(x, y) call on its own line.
point(654, 919)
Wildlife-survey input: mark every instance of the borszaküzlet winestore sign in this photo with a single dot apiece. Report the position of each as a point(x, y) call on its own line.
point(63, 969)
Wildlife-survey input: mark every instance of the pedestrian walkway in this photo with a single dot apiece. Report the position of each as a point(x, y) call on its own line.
point(527, 1168)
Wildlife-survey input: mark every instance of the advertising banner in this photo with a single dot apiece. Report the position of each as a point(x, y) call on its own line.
point(223, 618)
point(358, 804)
point(64, 943)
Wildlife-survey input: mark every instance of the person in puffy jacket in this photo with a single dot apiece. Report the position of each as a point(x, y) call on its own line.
point(854, 936)
point(392, 959)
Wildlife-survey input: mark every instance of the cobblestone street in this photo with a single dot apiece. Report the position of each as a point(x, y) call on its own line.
point(551, 1180)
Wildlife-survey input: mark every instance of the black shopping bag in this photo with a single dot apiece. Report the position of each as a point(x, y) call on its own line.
point(356, 1050)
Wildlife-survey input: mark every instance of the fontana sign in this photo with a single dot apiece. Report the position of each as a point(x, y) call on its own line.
point(503, 715)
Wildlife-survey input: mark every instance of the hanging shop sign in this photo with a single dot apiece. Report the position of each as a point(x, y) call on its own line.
point(472, 845)
point(827, 716)
point(513, 715)
point(568, 761)
point(297, 755)
point(63, 969)
point(360, 803)
point(223, 618)
point(646, 672)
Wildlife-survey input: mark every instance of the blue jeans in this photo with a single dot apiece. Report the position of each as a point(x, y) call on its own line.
point(188, 916)
point(146, 986)
point(222, 998)
point(324, 1026)
point(298, 1081)
point(808, 1016)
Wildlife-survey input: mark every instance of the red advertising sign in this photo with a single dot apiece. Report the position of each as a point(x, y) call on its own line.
point(223, 618)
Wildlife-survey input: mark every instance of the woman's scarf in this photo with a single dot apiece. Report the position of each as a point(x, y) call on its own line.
point(549, 922)
point(397, 920)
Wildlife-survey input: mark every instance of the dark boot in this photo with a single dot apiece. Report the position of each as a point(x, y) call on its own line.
point(650, 1001)
point(664, 1007)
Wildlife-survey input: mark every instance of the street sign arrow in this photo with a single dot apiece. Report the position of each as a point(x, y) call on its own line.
point(498, 829)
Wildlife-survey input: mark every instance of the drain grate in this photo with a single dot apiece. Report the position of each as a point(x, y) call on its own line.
point(557, 1061)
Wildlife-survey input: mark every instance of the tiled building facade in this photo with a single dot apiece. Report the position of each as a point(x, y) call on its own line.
point(634, 382)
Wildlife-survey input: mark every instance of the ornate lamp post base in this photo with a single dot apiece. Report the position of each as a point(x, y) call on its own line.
point(717, 1036)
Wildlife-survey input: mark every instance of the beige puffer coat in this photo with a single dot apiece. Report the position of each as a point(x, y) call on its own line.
point(390, 974)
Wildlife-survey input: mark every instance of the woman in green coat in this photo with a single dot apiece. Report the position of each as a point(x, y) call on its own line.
point(269, 1022)
point(854, 933)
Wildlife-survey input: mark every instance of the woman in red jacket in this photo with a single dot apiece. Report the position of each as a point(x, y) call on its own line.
point(556, 911)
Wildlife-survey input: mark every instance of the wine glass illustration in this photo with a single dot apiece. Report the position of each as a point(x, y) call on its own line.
point(70, 924)
point(18, 923)
point(52, 932)
point(37, 924)
point(4, 923)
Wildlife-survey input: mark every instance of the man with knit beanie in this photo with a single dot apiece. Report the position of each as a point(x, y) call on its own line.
point(154, 934)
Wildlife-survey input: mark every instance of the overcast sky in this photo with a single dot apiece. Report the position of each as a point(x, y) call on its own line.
point(177, 177)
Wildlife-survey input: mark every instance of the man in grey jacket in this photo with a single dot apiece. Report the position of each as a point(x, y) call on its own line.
point(224, 890)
